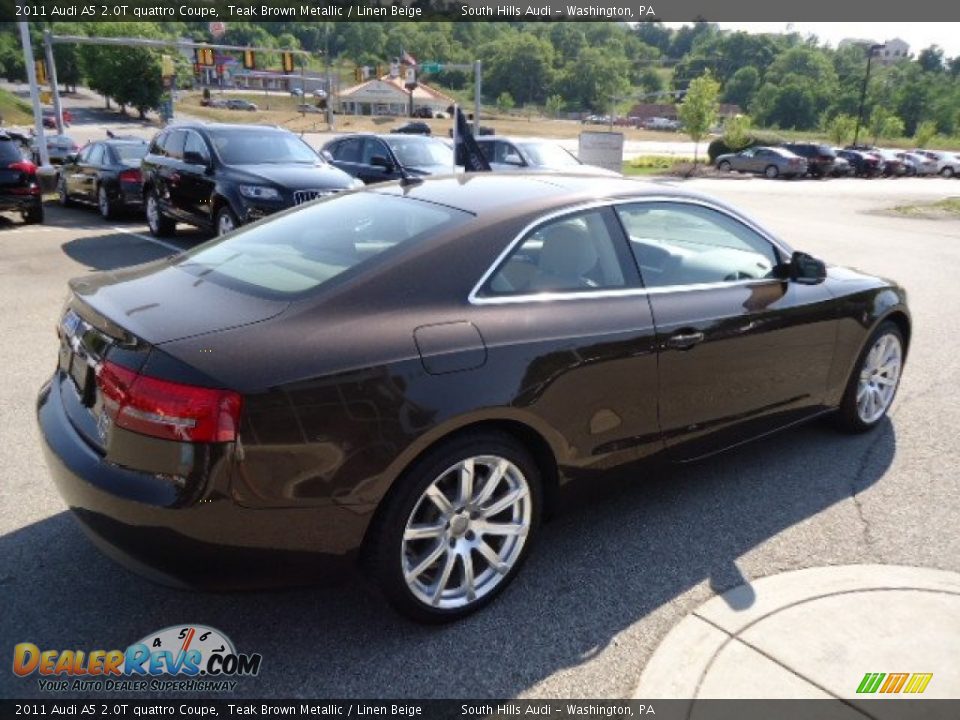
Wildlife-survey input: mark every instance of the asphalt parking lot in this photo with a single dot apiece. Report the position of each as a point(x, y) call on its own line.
point(609, 578)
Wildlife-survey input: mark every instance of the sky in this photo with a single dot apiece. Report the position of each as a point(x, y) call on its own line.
point(918, 34)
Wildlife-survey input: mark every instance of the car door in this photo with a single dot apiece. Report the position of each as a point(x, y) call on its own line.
point(346, 155)
point(585, 340)
point(741, 351)
point(72, 173)
point(88, 173)
point(196, 179)
point(370, 173)
point(743, 161)
point(170, 176)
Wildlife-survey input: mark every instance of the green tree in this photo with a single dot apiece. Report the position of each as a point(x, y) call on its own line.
point(884, 125)
point(736, 132)
point(931, 59)
point(698, 111)
point(129, 75)
point(741, 87)
point(554, 105)
point(924, 133)
point(840, 129)
point(505, 102)
point(651, 81)
point(595, 80)
point(520, 64)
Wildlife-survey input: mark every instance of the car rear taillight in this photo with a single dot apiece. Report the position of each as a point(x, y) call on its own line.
point(132, 175)
point(24, 166)
point(168, 410)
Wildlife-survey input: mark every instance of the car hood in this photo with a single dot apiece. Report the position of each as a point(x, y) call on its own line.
point(159, 302)
point(297, 176)
point(854, 279)
point(434, 169)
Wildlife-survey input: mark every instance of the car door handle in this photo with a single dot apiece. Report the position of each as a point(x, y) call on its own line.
point(684, 340)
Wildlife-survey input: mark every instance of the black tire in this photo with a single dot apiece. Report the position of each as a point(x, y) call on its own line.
point(64, 196)
point(771, 172)
point(225, 218)
point(384, 551)
point(947, 172)
point(160, 225)
point(848, 418)
point(34, 215)
point(724, 166)
point(107, 207)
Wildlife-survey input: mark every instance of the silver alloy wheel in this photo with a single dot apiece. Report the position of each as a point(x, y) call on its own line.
point(62, 191)
point(103, 202)
point(771, 171)
point(466, 532)
point(879, 377)
point(225, 223)
point(153, 213)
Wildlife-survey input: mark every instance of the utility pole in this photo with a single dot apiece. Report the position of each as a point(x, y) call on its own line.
point(34, 93)
point(477, 80)
point(54, 86)
point(863, 91)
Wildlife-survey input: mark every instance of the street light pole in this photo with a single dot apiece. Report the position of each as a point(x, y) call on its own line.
point(34, 94)
point(863, 91)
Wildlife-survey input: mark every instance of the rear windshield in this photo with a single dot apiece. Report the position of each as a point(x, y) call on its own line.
point(300, 250)
point(131, 152)
point(416, 151)
point(257, 147)
point(549, 155)
point(10, 151)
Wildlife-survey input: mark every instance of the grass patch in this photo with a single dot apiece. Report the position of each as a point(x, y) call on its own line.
point(946, 208)
point(649, 165)
point(15, 111)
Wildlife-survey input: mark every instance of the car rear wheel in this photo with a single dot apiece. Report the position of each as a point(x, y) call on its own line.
point(457, 528)
point(107, 207)
point(873, 384)
point(34, 215)
point(226, 221)
point(724, 166)
point(947, 172)
point(159, 224)
point(771, 171)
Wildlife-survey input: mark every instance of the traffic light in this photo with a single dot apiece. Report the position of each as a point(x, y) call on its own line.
point(249, 60)
point(287, 59)
point(205, 57)
point(41, 68)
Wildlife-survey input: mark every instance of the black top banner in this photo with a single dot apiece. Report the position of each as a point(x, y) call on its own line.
point(479, 10)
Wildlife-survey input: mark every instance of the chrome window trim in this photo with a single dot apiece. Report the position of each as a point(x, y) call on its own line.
point(474, 298)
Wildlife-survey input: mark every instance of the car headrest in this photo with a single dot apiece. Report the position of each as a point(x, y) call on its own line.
point(567, 251)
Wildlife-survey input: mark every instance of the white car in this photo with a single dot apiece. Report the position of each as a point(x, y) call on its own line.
point(948, 163)
point(918, 164)
point(531, 155)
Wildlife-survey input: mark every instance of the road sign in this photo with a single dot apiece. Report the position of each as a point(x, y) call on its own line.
point(430, 67)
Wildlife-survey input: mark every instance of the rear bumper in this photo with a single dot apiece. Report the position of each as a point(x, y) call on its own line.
point(210, 543)
point(9, 201)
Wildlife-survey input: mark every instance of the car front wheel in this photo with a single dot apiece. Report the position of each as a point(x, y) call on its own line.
point(873, 384)
point(771, 171)
point(458, 527)
point(226, 221)
point(724, 166)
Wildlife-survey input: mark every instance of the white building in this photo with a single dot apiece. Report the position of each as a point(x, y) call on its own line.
point(388, 96)
point(892, 51)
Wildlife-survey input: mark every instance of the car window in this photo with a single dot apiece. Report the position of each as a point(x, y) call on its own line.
point(349, 150)
point(156, 147)
point(243, 146)
point(575, 253)
point(10, 151)
point(173, 147)
point(487, 148)
point(297, 252)
point(195, 143)
point(414, 151)
point(685, 244)
point(373, 147)
point(95, 157)
point(84, 153)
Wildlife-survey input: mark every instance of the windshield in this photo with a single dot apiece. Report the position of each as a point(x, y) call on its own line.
point(300, 250)
point(549, 155)
point(413, 152)
point(130, 153)
point(260, 146)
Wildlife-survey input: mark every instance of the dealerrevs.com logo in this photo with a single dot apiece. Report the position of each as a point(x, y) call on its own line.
point(199, 657)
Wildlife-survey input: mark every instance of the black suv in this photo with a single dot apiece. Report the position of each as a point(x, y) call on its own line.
point(220, 176)
point(19, 189)
point(820, 158)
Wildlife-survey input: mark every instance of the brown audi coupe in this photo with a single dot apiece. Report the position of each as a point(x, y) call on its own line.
point(405, 377)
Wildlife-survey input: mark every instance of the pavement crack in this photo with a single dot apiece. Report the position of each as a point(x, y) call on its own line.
point(857, 484)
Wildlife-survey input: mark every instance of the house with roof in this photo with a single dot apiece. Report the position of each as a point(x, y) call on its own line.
point(389, 96)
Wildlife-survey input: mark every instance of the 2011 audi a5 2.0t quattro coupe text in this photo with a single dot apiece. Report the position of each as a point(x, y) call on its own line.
point(408, 375)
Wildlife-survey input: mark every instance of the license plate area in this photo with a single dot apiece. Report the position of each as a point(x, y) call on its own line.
point(73, 360)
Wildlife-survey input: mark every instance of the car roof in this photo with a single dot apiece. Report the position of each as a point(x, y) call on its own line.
point(484, 192)
point(194, 125)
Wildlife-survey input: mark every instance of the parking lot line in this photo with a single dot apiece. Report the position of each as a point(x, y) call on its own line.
point(148, 239)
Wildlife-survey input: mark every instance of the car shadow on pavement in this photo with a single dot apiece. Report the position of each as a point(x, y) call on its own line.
point(629, 551)
point(110, 252)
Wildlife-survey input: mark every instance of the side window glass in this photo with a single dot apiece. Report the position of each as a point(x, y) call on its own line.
point(349, 150)
point(95, 158)
point(683, 244)
point(195, 143)
point(84, 154)
point(173, 147)
point(371, 148)
point(156, 147)
point(487, 149)
point(575, 253)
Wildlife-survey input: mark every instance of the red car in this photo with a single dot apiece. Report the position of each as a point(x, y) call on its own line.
point(50, 118)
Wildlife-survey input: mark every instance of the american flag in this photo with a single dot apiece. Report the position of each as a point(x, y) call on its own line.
point(407, 59)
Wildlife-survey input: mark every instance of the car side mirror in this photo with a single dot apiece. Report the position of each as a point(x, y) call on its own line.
point(512, 159)
point(326, 155)
point(192, 157)
point(381, 162)
point(806, 269)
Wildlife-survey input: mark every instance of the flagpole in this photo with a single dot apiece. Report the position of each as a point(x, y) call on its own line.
point(456, 117)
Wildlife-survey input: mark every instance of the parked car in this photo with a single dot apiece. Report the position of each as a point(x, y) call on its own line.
point(917, 164)
point(105, 174)
point(948, 164)
point(297, 92)
point(375, 158)
point(841, 166)
point(413, 376)
point(50, 118)
point(890, 164)
point(526, 155)
point(59, 147)
point(769, 161)
point(413, 128)
point(819, 157)
point(238, 104)
point(863, 164)
point(219, 176)
point(19, 188)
